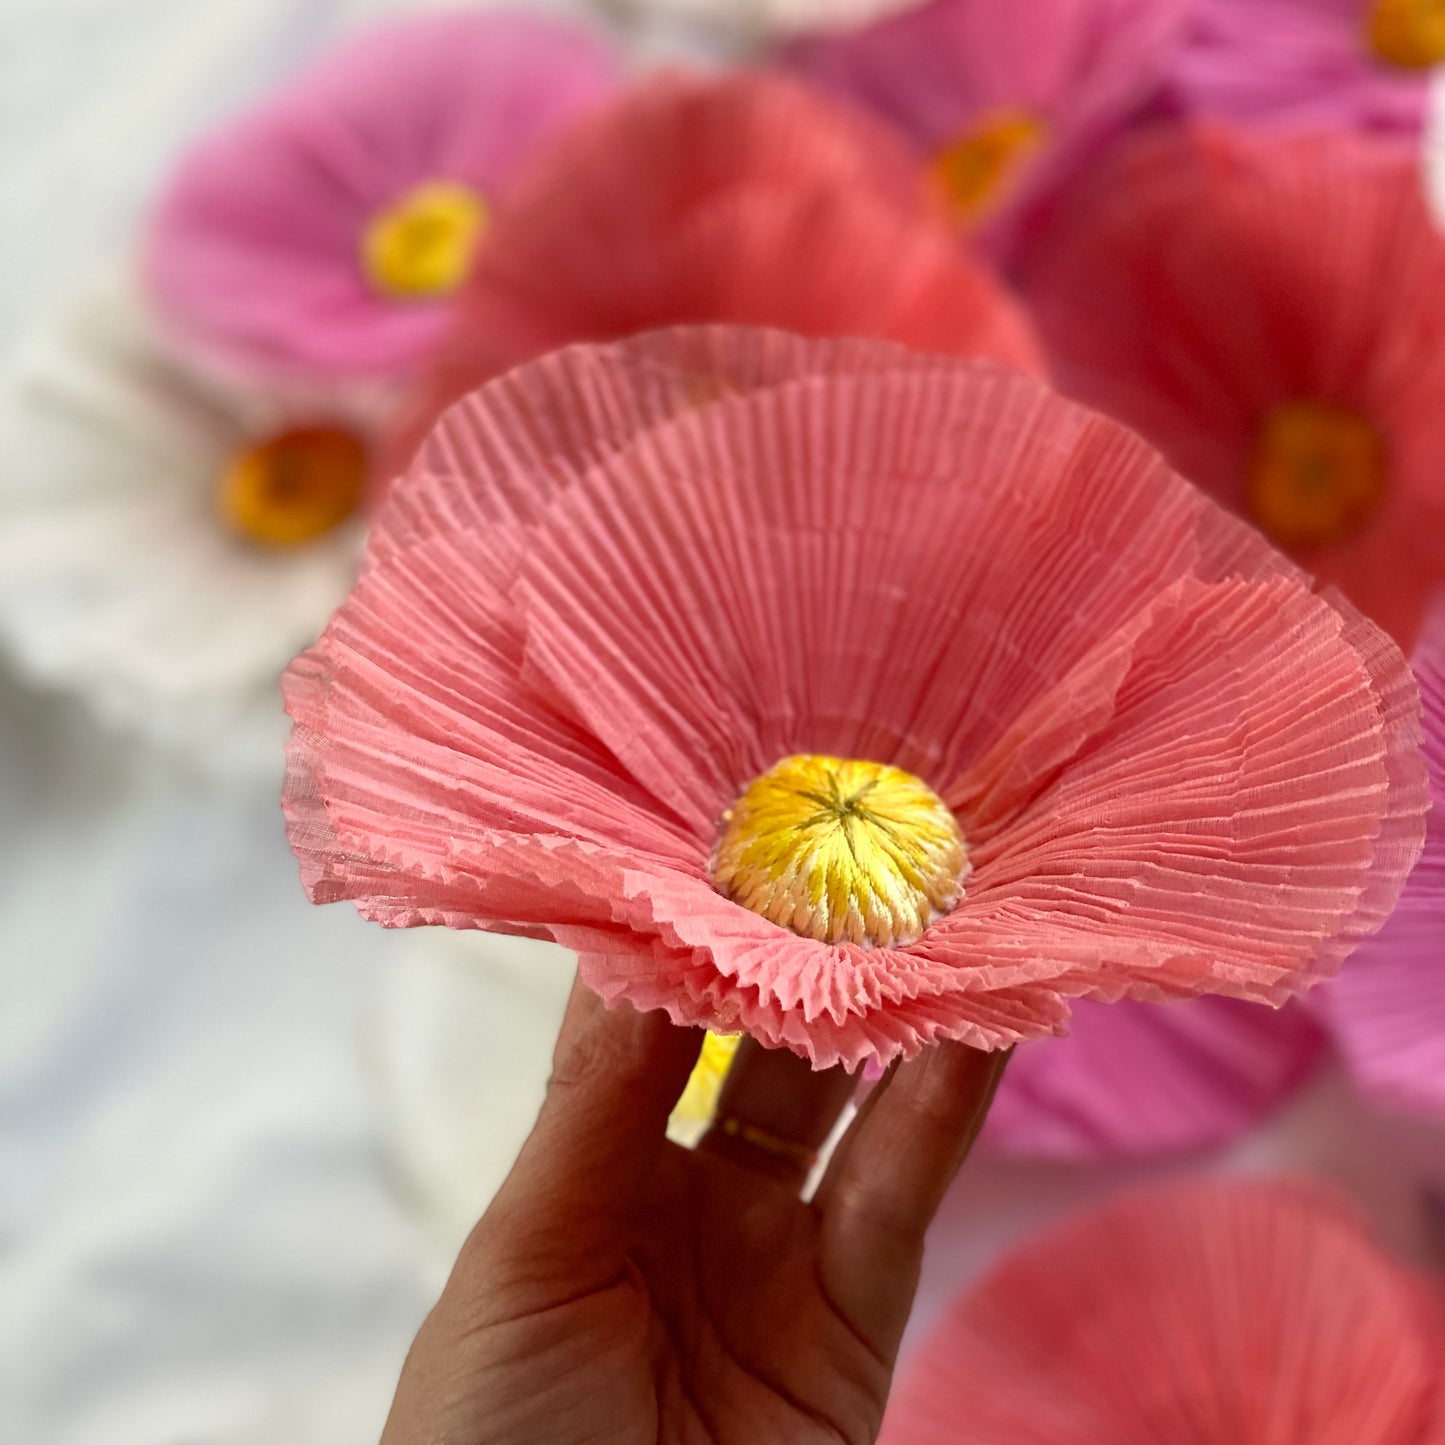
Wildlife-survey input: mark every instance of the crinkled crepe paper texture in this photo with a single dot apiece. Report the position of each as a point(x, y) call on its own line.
point(623, 581)
point(1388, 1008)
point(118, 580)
point(941, 69)
point(1217, 1313)
point(1204, 276)
point(1292, 64)
point(1134, 1079)
point(254, 249)
point(744, 198)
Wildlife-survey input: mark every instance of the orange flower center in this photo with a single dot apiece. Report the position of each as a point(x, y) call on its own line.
point(1318, 474)
point(1408, 33)
point(295, 487)
point(977, 168)
point(422, 245)
point(842, 851)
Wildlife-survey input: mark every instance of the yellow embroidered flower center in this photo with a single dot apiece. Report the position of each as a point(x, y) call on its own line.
point(842, 851)
point(422, 245)
point(704, 1087)
point(295, 487)
point(977, 168)
point(1408, 33)
point(1317, 475)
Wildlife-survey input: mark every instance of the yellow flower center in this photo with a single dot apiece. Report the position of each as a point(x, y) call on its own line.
point(295, 487)
point(842, 851)
point(1317, 475)
point(699, 1100)
point(1408, 33)
point(422, 245)
point(977, 168)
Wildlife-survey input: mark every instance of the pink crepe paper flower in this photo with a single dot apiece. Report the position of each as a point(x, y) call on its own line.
point(627, 591)
point(1221, 1314)
point(1269, 311)
point(326, 231)
point(743, 199)
point(1007, 101)
point(1388, 1008)
point(1294, 63)
point(1136, 1079)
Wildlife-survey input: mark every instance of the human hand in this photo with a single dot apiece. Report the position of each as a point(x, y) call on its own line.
point(622, 1290)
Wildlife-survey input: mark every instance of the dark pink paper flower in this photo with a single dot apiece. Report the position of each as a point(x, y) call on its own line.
point(1269, 311)
point(1005, 101)
point(848, 697)
point(1320, 64)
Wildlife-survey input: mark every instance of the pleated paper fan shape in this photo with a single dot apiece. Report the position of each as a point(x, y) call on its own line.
point(1295, 64)
point(1220, 1314)
point(743, 199)
point(325, 232)
point(1388, 1008)
point(1142, 1080)
point(627, 583)
point(1006, 103)
point(1269, 311)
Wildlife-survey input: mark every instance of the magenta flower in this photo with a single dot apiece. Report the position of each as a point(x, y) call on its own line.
point(1309, 63)
point(1006, 100)
point(326, 231)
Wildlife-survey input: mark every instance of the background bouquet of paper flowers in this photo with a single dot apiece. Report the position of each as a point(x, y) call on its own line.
point(635, 417)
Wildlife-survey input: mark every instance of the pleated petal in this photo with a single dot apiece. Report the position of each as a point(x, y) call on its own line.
point(1219, 1314)
point(1388, 1008)
point(537, 705)
point(1205, 276)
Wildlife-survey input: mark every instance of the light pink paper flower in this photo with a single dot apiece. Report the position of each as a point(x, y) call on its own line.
point(1221, 1314)
point(1269, 311)
point(327, 231)
point(623, 589)
point(1296, 63)
point(1136, 1079)
point(1007, 101)
point(1388, 1008)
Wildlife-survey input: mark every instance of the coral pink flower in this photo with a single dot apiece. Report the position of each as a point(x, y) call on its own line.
point(1270, 313)
point(327, 231)
point(1221, 1314)
point(1388, 1008)
point(1007, 101)
point(1137, 1079)
point(1307, 63)
point(848, 697)
point(743, 199)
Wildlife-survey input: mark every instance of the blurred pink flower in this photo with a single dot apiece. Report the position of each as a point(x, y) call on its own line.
point(326, 231)
point(1301, 63)
point(1136, 1079)
point(1218, 1313)
point(630, 595)
point(745, 198)
point(1388, 1008)
point(1007, 100)
point(1269, 311)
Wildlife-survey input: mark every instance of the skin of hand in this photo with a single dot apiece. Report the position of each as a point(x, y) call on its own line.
point(623, 1290)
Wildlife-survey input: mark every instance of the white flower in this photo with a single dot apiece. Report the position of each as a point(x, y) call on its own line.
point(127, 574)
